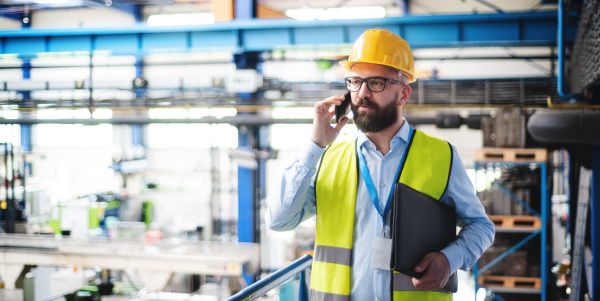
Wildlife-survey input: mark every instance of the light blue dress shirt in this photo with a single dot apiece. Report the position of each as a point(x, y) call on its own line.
point(296, 203)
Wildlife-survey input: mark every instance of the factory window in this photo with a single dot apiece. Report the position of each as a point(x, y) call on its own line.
point(73, 135)
point(196, 136)
point(10, 133)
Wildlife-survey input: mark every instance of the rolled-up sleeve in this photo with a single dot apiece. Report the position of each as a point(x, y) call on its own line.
point(477, 232)
point(296, 199)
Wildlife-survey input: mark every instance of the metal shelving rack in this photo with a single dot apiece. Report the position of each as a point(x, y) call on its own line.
point(497, 161)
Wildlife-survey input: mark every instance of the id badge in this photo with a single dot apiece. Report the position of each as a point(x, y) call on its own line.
point(381, 253)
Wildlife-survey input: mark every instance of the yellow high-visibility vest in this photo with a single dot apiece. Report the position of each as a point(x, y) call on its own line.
point(426, 168)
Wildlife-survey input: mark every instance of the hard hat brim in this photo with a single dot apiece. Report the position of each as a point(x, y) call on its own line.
point(348, 66)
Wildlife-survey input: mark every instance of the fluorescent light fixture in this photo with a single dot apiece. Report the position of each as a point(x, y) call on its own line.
point(304, 14)
point(339, 13)
point(51, 1)
point(181, 19)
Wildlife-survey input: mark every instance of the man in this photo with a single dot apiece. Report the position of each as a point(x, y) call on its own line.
point(350, 190)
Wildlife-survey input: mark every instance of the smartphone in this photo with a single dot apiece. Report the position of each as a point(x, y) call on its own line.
point(342, 110)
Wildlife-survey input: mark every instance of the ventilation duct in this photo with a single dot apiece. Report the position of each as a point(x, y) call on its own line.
point(565, 127)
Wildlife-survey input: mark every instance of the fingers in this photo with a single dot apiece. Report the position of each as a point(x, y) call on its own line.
point(333, 100)
point(323, 133)
point(325, 106)
point(422, 266)
point(437, 271)
point(341, 124)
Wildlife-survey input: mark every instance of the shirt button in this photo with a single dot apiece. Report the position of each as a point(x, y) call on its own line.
point(372, 145)
point(378, 270)
point(314, 157)
point(296, 185)
point(378, 299)
point(384, 159)
point(382, 184)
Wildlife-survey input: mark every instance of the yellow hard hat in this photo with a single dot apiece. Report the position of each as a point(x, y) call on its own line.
point(379, 46)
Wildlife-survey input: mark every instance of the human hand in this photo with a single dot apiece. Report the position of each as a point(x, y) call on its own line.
point(437, 272)
point(323, 132)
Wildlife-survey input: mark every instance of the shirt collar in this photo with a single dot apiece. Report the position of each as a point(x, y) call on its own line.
point(401, 135)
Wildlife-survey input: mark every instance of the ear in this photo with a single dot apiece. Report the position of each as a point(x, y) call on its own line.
point(405, 95)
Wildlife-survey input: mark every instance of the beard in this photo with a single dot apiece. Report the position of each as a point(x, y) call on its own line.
point(376, 120)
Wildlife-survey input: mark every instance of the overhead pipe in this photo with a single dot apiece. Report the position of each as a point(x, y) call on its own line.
point(565, 127)
point(445, 121)
point(561, 53)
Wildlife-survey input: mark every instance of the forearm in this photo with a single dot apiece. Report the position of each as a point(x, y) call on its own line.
point(296, 199)
point(473, 239)
point(477, 234)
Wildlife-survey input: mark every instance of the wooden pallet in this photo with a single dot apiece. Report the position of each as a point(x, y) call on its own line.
point(511, 154)
point(516, 221)
point(510, 282)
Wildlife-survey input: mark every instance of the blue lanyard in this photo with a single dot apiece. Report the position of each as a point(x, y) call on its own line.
point(369, 182)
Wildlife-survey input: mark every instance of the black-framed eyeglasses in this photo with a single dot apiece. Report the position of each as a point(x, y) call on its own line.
point(374, 84)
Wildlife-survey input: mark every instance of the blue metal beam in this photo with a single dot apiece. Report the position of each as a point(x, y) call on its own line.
point(509, 29)
point(515, 198)
point(12, 15)
point(561, 54)
point(509, 251)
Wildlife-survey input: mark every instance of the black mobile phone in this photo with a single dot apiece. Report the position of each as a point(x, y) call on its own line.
point(342, 110)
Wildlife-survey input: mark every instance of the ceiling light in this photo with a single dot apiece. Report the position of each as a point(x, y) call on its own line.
point(51, 1)
point(309, 14)
point(304, 14)
point(181, 19)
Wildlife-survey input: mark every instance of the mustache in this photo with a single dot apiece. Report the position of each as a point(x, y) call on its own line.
point(364, 101)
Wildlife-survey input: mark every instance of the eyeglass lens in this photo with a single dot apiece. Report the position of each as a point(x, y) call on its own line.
point(374, 84)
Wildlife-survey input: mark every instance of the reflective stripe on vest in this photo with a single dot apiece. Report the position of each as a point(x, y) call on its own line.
point(401, 282)
point(426, 168)
point(335, 207)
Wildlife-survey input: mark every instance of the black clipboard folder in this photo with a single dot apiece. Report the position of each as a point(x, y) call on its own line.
point(420, 225)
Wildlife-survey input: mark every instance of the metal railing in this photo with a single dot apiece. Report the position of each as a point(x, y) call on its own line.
point(280, 276)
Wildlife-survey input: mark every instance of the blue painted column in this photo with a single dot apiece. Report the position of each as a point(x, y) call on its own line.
point(546, 228)
point(139, 87)
point(249, 179)
point(245, 9)
point(26, 145)
point(405, 4)
point(26, 95)
point(246, 193)
point(251, 182)
point(26, 148)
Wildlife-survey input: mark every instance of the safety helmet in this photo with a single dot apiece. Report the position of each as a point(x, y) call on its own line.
point(379, 46)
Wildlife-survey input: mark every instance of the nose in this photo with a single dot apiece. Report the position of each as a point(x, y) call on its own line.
point(364, 90)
